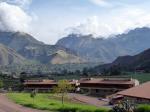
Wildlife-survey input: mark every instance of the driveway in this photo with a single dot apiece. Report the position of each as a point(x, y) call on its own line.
point(8, 106)
point(89, 100)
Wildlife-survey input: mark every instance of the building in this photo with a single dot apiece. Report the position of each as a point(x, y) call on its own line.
point(40, 85)
point(43, 85)
point(138, 94)
point(90, 86)
point(105, 86)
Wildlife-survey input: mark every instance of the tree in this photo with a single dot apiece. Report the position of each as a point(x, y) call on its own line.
point(85, 71)
point(124, 106)
point(33, 94)
point(114, 71)
point(1, 84)
point(63, 87)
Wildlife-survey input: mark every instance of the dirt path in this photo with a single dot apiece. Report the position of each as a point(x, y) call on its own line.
point(89, 100)
point(8, 106)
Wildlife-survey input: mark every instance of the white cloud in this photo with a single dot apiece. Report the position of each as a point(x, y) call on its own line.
point(100, 2)
point(21, 3)
point(117, 22)
point(13, 18)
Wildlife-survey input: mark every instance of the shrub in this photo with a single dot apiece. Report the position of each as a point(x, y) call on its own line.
point(143, 108)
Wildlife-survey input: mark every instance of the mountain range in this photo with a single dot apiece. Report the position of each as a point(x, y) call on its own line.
point(31, 49)
point(9, 56)
point(74, 48)
point(140, 61)
point(107, 49)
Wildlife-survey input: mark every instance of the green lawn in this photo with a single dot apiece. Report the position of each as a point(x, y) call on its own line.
point(142, 77)
point(48, 102)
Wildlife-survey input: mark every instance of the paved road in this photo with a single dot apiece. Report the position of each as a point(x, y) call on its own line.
point(89, 100)
point(8, 106)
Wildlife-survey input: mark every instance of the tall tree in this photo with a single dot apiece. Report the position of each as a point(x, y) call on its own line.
point(63, 88)
point(33, 94)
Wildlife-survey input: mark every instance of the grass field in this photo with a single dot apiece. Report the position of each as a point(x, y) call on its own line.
point(142, 77)
point(48, 102)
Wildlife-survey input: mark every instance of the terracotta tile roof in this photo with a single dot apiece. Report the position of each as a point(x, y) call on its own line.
point(141, 91)
point(107, 81)
point(39, 82)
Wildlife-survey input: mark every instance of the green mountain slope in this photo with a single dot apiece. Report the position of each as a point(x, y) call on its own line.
point(9, 56)
point(107, 50)
point(32, 49)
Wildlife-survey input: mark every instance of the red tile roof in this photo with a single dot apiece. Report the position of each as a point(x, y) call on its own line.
point(39, 82)
point(46, 81)
point(107, 81)
point(141, 91)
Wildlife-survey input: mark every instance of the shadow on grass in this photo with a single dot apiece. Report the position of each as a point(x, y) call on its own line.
point(35, 107)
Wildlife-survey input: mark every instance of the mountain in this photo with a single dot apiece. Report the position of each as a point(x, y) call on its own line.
point(32, 49)
point(107, 50)
point(140, 61)
point(61, 57)
point(9, 56)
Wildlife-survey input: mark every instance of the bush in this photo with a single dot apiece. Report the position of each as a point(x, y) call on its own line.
point(143, 108)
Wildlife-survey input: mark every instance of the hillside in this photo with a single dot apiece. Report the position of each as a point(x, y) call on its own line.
point(107, 50)
point(141, 60)
point(9, 56)
point(30, 48)
point(61, 57)
point(129, 63)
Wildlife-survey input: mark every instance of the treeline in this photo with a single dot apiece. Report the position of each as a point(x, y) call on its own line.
point(46, 68)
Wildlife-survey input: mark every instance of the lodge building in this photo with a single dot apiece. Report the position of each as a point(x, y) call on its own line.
point(90, 86)
point(106, 86)
point(43, 85)
point(139, 94)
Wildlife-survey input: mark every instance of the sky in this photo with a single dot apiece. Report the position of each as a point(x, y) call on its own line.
point(50, 20)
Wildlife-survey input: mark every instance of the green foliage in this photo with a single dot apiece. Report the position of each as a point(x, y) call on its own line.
point(33, 94)
point(46, 68)
point(8, 81)
point(1, 83)
point(63, 88)
point(48, 102)
point(143, 108)
point(115, 71)
point(142, 77)
point(124, 106)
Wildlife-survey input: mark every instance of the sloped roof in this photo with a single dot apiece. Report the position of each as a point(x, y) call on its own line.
point(141, 91)
point(107, 81)
point(39, 82)
point(45, 81)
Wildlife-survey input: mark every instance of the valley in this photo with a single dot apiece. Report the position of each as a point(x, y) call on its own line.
point(74, 56)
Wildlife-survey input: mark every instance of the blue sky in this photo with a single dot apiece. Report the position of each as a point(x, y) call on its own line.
point(50, 20)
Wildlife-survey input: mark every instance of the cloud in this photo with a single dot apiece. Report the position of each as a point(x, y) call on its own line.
point(20, 3)
point(117, 22)
point(100, 2)
point(13, 18)
point(89, 26)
